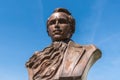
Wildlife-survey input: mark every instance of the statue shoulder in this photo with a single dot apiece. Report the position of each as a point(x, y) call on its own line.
point(93, 49)
point(90, 47)
point(92, 54)
point(31, 60)
point(36, 55)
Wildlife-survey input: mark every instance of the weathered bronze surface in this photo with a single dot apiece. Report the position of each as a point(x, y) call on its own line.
point(63, 59)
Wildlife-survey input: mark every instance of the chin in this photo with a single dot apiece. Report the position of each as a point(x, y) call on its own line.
point(57, 37)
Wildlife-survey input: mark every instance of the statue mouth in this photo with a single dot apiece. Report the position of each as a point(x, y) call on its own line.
point(57, 31)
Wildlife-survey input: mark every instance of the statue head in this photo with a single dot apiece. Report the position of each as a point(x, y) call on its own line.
point(60, 25)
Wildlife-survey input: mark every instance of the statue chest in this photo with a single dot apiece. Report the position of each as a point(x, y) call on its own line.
point(72, 65)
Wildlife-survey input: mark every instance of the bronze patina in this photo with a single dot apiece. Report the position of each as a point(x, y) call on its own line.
point(63, 59)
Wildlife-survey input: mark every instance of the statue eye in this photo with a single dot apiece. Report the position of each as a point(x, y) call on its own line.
point(52, 22)
point(63, 21)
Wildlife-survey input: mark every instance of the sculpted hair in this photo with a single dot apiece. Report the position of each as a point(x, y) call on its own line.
point(62, 10)
point(71, 19)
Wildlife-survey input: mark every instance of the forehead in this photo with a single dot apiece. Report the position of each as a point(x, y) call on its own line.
point(58, 15)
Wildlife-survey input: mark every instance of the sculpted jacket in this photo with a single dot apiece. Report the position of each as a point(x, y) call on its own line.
point(62, 61)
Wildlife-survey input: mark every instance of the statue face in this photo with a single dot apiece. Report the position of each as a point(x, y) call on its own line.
point(58, 27)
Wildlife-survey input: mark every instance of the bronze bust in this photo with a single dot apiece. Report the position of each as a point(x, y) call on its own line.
point(63, 59)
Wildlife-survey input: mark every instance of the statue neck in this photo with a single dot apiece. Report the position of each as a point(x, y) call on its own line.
point(64, 41)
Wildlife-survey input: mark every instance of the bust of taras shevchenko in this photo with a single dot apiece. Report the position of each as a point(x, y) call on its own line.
point(63, 59)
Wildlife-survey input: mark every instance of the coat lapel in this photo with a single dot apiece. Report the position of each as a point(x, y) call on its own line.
point(72, 56)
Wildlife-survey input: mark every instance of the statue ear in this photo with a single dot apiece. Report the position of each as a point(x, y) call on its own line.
point(48, 32)
point(69, 34)
point(47, 27)
point(71, 31)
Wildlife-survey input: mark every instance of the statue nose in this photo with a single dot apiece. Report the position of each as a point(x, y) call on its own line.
point(57, 24)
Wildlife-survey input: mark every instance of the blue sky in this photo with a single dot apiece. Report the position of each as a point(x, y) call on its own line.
point(23, 31)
